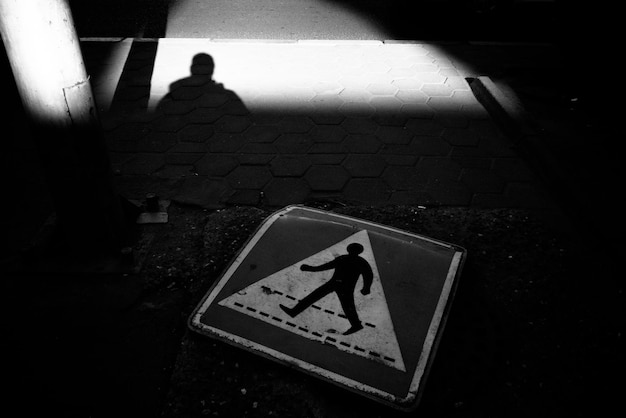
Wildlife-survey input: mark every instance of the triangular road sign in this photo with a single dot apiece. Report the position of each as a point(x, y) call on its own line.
point(325, 320)
point(359, 304)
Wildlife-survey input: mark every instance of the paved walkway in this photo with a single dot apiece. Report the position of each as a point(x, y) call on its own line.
point(279, 123)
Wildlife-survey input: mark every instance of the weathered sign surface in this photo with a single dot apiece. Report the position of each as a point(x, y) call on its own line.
point(353, 302)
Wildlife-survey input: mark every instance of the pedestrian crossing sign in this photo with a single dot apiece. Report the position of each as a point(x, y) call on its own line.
point(359, 304)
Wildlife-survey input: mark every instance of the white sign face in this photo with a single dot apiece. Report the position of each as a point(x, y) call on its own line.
point(327, 318)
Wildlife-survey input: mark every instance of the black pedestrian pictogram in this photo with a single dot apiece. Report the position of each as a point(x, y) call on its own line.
point(348, 268)
point(372, 336)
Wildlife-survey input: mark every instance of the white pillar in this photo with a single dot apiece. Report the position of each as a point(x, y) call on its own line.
point(44, 52)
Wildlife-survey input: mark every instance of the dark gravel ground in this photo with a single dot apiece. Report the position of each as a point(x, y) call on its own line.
point(528, 334)
point(535, 329)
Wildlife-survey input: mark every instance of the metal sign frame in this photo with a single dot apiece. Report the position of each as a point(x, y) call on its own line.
point(405, 399)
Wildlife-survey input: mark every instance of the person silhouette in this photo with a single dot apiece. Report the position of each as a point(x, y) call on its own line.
point(199, 90)
point(348, 268)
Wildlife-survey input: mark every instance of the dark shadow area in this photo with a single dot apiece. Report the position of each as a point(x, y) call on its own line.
point(26, 201)
point(460, 20)
point(77, 343)
point(120, 18)
point(530, 330)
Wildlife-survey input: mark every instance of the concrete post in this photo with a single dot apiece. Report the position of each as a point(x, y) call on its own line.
point(44, 52)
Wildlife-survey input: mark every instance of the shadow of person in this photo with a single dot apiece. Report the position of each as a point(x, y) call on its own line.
point(200, 94)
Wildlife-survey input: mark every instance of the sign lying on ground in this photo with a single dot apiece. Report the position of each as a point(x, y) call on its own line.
point(353, 302)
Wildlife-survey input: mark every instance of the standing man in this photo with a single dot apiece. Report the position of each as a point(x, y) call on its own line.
point(348, 268)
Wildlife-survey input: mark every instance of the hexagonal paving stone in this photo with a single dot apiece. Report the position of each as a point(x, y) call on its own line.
point(445, 104)
point(441, 168)
point(284, 191)
point(170, 123)
point(425, 68)
point(394, 134)
point(259, 148)
point(249, 177)
point(245, 197)
point(185, 93)
point(355, 95)
point(356, 125)
point(328, 102)
point(144, 163)
point(417, 110)
point(412, 96)
point(424, 145)
point(375, 68)
point(328, 87)
point(362, 143)
point(196, 133)
point(300, 92)
point(328, 148)
point(266, 101)
point(431, 78)
point(227, 143)
point(411, 197)
point(204, 115)
point(424, 127)
point(189, 147)
point(156, 142)
point(205, 192)
point(365, 165)
point(233, 124)
point(293, 143)
point(183, 158)
point(235, 107)
point(175, 171)
point(367, 190)
point(212, 99)
point(407, 84)
point(327, 177)
point(247, 158)
point(176, 107)
point(117, 145)
point(454, 120)
point(386, 104)
point(482, 181)
point(295, 124)
point(382, 89)
point(404, 178)
point(457, 82)
point(385, 119)
point(216, 164)
point(262, 133)
point(461, 137)
point(328, 133)
point(290, 165)
point(437, 90)
point(448, 192)
point(357, 109)
point(402, 72)
point(326, 117)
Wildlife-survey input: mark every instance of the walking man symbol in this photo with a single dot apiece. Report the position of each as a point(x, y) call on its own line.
point(348, 268)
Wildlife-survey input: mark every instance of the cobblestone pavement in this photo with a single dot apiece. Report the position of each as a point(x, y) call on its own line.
point(279, 123)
